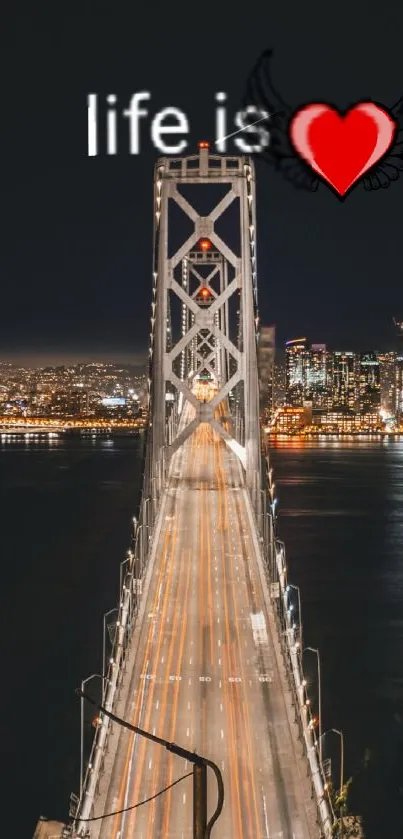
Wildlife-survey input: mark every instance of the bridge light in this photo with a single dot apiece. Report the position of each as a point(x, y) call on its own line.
point(204, 145)
point(205, 245)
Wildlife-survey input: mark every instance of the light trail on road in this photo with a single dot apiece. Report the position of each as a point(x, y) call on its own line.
point(203, 677)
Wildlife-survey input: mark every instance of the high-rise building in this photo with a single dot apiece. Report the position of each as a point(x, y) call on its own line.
point(266, 356)
point(387, 369)
point(399, 388)
point(399, 373)
point(344, 391)
point(279, 383)
point(317, 379)
point(295, 363)
point(369, 383)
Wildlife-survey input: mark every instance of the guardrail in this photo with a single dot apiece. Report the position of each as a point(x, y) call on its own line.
point(289, 638)
point(132, 574)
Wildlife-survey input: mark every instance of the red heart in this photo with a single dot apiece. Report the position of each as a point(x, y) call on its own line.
point(341, 148)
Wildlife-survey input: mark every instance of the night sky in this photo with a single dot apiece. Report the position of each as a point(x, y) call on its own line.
point(77, 231)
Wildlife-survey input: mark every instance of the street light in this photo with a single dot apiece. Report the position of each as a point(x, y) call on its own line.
point(84, 682)
point(129, 559)
point(106, 615)
point(313, 650)
point(290, 585)
point(145, 502)
point(140, 537)
point(340, 734)
point(201, 828)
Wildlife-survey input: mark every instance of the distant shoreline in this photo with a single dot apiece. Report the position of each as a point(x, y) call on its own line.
point(35, 431)
point(314, 435)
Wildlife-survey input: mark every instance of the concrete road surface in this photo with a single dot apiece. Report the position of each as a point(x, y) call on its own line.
point(206, 672)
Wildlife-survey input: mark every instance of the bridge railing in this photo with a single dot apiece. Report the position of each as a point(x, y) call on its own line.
point(289, 638)
point(132, 573)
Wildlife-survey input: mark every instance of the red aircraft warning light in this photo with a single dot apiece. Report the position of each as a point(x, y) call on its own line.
point(204, 145)
point(204, 245)
point(204, 296)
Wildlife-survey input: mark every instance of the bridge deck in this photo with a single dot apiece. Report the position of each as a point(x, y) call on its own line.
point(214, 676)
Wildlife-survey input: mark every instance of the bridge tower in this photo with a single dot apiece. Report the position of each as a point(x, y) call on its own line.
point(205, 288)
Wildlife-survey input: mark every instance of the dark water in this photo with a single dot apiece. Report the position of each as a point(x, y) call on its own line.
point(341, 516)
point(66, 511)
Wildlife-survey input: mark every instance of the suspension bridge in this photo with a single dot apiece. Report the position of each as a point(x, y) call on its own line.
point(205, 648)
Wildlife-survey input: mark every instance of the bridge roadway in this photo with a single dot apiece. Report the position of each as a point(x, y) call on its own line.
point(207, 673)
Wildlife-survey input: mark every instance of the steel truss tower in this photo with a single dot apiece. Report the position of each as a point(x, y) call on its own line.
point(207, 339)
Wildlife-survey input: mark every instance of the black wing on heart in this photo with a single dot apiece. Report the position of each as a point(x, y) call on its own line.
point(261, 94)
point(391, 167)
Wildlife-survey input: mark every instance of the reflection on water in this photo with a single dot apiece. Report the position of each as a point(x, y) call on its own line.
point(66, 510)
point(341, 516)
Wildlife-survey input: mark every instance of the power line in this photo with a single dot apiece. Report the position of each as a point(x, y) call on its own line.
point(133, 807)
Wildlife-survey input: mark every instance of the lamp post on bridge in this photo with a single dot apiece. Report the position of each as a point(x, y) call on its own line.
point(263, 512)
point(146, 501)
point(83, 683)
point(140, 530)
point(135, 526)
point(106, 615)
point(314, 650)
point(129, 560)
point(201, 828)
point(297, 589)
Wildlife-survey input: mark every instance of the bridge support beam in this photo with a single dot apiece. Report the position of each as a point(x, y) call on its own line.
point(214, 281)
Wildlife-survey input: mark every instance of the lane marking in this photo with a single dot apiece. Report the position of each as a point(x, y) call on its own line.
point(265, 816)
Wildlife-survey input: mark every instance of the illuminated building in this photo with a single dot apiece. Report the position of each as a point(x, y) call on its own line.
point(295, 361)
point(266, 356)
point(278, 384)
point(346, 422)
point(399, 388)
point(387, 369)
point(78, 402)
point(318, 376)
point(290, 420)
point(369, 384)
point(59, 405)
point(344, 390)
point(399, 373)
